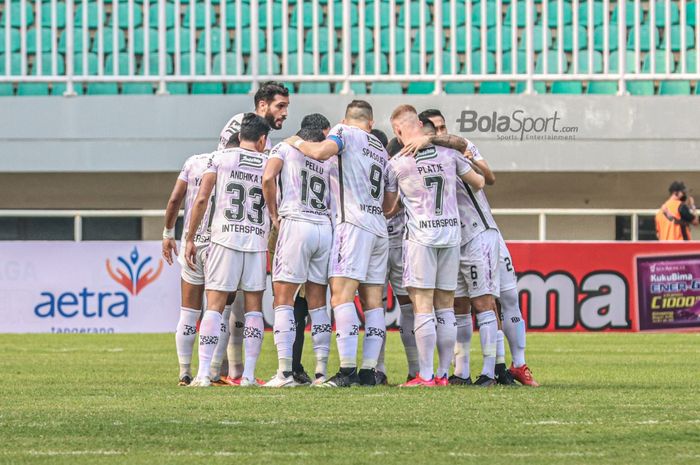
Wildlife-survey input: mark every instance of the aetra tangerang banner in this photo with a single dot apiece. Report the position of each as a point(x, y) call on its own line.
point(623, 286)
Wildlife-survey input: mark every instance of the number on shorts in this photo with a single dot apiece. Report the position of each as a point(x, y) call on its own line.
point(472, 272)
point(438, 182)
point(509, 265)
point(375, 180)
point(238, 198)
point(317, 186)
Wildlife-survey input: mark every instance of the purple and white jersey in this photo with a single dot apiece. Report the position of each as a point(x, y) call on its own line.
point(395, 227)
point(428, 188)
point(304, 192)
point(474, 212)
point(240, 219)
point(191, 173)
point(234, 127)
point(358, 177)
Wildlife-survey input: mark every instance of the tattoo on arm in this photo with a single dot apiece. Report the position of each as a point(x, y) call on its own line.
point(450, 141)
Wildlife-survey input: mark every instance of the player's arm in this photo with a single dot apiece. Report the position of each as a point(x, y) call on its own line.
point(446, 140)
point(199, 208)
point(171, 212)
point(320, 151)
point(391, 204)
point(269, 185)
point(474, 179)
point(479, 163)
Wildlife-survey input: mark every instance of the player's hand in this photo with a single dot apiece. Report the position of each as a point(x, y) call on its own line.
point(292, 140)
point(191, 254)
point(275, 222)
point(169, 247)
point(411, 147)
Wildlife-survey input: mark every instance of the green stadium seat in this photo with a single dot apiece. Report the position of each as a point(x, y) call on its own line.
point(47, 65)
point(44, 38)
point(14, 40)
point(357, 88)
point(660, 13)
point(598, 13)
point(630, 61)
point(208, 88)
point(392, 88)
point(92, 15)
point(15, 65)
point(467, 39)
point(690, 18)
point(640, 87)
point(567, 87)
point(370, 64)
point(674, 88)
point(231, 66)
point(307, 17)
point(459, 87)
point(539, 87)
point(123, 65)
point(602, 88)
point(659, 63)
point(6, 89)
point(413, 64)
point(691, 62)
point(338, 19)
point(629, 13)
point(46, 15)
point(420, 88)
point(199, 64)
point(264, 64)
point(494, 87)
point(697, 88)
point(583, 66)
point(153, 15)
point(475, 61)
point(446, 64)
point(232, 17)
point(314, 88)
point(278, 40)
point(568, 44)
point(538, 43)
point(246, 34)
point(137, 88)
point(184, 37)
point(476, 13)
point(123, 20)
point(507, 63)
point(553, 18)
point(177, 88)
point(645, 34)
point(153, 64)
point(108, 40)
point(599, 38)
point(337, 63)
point(323, 46)
point(90, 66)
point(214, 41)
point(415, 15)
point(238, 88)
point(399, 42)
point(139, 42)
point(307, 63)
point(277, 15)
point(355, 40)
point(58, 88)
point(32, 89)
point(290, 87)
point(102, 88)
point(429, 41)
point(552, 66)
point(77, 41)
point(675, 37)
point(16, 15)
point(521, 11)
point(200, 15)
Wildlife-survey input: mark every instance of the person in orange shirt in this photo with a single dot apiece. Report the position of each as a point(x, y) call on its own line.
point(675, 216)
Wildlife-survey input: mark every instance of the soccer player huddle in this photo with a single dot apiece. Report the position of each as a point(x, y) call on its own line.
point(343, 207)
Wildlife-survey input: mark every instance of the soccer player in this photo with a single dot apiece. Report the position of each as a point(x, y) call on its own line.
point(360, 244)
point(431, 249)
point(303, 245)
point(237, 256)
point(192, 281)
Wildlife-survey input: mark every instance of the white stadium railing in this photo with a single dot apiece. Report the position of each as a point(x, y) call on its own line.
point(344, 42)
point(541, 213)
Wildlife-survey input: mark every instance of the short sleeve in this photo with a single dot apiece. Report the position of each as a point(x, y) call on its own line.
point(279, 151)
point(212, 164)
point(337, 135)
point(462, 165)
point(184, 172)
point(391, 178)
point(475, 151)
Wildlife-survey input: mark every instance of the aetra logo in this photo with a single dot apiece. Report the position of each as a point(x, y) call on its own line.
point(517, 125)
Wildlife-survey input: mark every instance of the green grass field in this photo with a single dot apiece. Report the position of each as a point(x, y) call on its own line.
point(606, 398)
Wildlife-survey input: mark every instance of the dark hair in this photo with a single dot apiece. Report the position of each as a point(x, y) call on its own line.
point(427, 124)
point(253, 127)
point(268, 90)
point(315, 121)
point(430, 113)
point(379, 134)
point(676, 186)
point(393, 147)
point(359, 110)
point(311, 134)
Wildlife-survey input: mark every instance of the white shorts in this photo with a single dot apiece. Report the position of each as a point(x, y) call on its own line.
point(506, 270)
point(194, 277)
point(358, 254)
point(231, 270)
point(430, 267)
point(478, 266)
point(394, 271)
point(302, 252)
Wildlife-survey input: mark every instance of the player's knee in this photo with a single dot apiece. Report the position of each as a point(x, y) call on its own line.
point(483, 303)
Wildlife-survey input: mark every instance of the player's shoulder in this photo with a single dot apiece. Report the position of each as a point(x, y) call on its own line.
point(251, 159)
point(280, 150)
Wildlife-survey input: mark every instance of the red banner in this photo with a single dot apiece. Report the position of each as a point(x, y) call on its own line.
point(593, 286)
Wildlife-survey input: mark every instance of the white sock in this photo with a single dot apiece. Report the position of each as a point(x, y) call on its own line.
point(234, 351)
point(209, 332)
point(185, 334)
point(380, 360)
point(375, 330)
point(284, 330)
point(464, 339)
point(446, 339)
point(218, 358)
point(487, 333)
point(426, 336)
point(513, 325)
point(321, 337)
point(253, 338)
point(347, 327)
point(408, 338)
point(500, 348)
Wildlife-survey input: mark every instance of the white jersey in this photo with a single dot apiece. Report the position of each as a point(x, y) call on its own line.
point(474, 212)
point(358, 176)
point(191, 173)
point(395, 227)
point(240, 219)
point(303, 186)
point(428, 188)
point(233, 126)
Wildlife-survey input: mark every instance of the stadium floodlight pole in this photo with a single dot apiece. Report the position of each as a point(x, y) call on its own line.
point(162, 88)
point(70, 53)
point(529, 6)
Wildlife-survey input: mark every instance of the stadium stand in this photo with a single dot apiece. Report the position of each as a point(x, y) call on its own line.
point(48, 47)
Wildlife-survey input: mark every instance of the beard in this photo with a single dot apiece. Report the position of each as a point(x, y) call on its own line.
point(274, 124)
